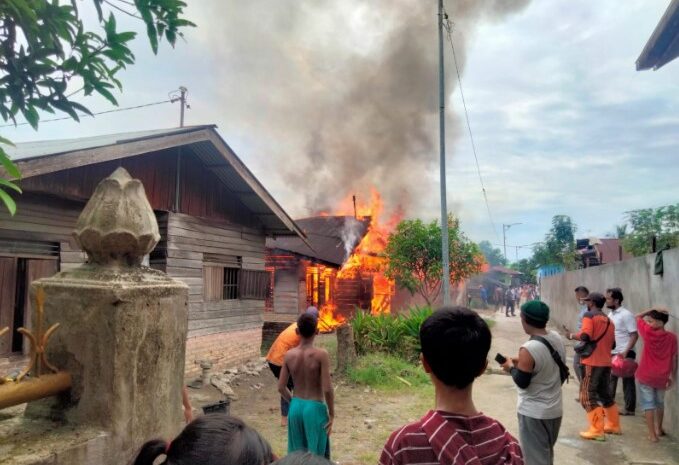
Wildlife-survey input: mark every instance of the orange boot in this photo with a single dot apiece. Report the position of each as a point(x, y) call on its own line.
point(596, 425)
point(612, 421)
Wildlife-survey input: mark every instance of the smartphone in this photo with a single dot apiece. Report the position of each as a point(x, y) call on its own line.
point(500, 359)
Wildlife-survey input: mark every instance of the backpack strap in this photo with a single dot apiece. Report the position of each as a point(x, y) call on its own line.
point(555, 355)
point(608, 323)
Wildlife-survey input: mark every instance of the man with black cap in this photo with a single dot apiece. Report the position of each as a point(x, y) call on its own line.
point(595, 394)
point(537, 375)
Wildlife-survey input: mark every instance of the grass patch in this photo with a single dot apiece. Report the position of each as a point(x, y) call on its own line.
point(382, 371)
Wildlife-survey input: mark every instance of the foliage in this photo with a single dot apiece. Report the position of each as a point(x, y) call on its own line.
point(661, 223)
point(414, 256)
point(398, 335)
point(493, 255)
point(528, 268)
point(558, 246)
point(380, 370)
point(47, 52)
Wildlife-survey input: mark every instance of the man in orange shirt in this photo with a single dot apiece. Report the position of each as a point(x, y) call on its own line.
point(286, 340)
point(595, 394)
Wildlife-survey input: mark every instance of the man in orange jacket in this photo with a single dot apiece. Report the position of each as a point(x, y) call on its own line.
point(595, 394)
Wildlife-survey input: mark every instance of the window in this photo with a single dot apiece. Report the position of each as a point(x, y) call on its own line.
point(230, 283)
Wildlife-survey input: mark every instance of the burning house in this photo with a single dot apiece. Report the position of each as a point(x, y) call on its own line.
point(340, 270)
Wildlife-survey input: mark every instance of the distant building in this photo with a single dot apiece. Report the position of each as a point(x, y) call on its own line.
point(595, 251)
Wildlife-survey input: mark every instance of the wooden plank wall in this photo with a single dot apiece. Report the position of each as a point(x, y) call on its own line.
point(190, 241)
point(286, 266)
point(45, 219)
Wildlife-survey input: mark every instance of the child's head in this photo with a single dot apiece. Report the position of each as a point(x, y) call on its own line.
point(307, 325)
point(656, 319)
point(455, 343)
point(302, 458)
point(214, 439)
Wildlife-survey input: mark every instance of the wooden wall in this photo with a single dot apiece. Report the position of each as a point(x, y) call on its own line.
point(193, 243)
point(202, 194)
point(287, 275)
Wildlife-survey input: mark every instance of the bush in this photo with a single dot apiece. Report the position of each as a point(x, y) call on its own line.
point(381, 370)
point(398, 335)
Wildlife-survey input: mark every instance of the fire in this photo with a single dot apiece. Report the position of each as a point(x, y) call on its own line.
point(367, 264)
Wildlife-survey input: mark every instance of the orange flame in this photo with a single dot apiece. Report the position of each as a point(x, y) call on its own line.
point(367, 259)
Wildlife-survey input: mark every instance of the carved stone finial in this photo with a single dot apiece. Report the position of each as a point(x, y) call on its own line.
point(117, 226)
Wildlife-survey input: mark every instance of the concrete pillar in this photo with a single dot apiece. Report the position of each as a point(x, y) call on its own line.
point(122, 333)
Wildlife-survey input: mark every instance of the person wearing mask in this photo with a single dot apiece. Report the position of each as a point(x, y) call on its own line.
point(537, 374)
point(581, 293)
point(626, 337)
point(595, 392)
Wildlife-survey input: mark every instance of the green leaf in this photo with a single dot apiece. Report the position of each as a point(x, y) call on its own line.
point(31, 116)
point(10, 185)
point(9, 202)
point(8, 165)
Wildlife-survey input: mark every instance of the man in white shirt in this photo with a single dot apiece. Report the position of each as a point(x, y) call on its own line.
point(626, 336)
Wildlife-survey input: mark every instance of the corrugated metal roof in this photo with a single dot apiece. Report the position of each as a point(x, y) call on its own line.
point(28, 150)
point(663, 45)
point(217, 156)
point(327, 236)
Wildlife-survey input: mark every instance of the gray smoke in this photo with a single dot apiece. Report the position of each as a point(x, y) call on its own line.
point(343, 92)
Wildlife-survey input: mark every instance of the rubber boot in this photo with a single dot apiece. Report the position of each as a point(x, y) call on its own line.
point(596, 425)
point(612, 421)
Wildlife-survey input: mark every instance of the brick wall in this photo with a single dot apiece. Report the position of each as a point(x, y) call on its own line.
point(224, 350)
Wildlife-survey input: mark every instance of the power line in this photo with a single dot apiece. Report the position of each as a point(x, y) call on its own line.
point(115, 110)
point(449, 30)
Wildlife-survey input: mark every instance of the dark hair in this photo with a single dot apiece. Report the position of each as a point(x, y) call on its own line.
point(455, 343)
point(306, 324)
point(213, 439)
point(616, 294)
point(582, 289)
point(598, 299)
point(660, 316)
point(534, 323)
point(302, 458)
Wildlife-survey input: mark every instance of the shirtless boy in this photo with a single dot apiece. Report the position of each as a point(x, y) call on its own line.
point(310, 419)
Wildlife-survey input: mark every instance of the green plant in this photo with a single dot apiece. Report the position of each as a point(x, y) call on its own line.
point(414, 256)
point(661, 223)
point(398, 335)
point(381, 370)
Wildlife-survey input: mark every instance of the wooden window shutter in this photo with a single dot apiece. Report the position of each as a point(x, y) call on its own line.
point(254, 284)
point(213, 283)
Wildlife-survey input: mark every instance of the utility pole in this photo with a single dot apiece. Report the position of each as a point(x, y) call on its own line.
point(505, 227)
point(182, 103)
point(445, 278)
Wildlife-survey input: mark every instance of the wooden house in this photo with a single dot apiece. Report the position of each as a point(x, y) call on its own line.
point(214, 217)
point(305, 271)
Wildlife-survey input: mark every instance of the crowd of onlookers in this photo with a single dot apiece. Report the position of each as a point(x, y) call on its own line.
point(454, 351)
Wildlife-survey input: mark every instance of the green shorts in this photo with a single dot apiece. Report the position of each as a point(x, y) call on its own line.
point(306, 427)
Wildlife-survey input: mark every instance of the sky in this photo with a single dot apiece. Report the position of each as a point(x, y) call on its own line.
point(322, 99)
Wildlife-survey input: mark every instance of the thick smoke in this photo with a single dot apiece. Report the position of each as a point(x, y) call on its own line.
point(343, 93)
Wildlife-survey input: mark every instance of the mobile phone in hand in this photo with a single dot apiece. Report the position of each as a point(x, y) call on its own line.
point(500, 359)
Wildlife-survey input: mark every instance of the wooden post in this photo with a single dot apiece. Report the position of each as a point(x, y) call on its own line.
point(346, 351)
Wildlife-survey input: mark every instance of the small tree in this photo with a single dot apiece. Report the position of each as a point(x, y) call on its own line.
point(47, 55)
point(558, 246)
point(414, 256)
point(660, 223)
point(492, 254)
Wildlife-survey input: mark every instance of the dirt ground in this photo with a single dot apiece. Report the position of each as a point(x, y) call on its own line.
point(364, 417)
